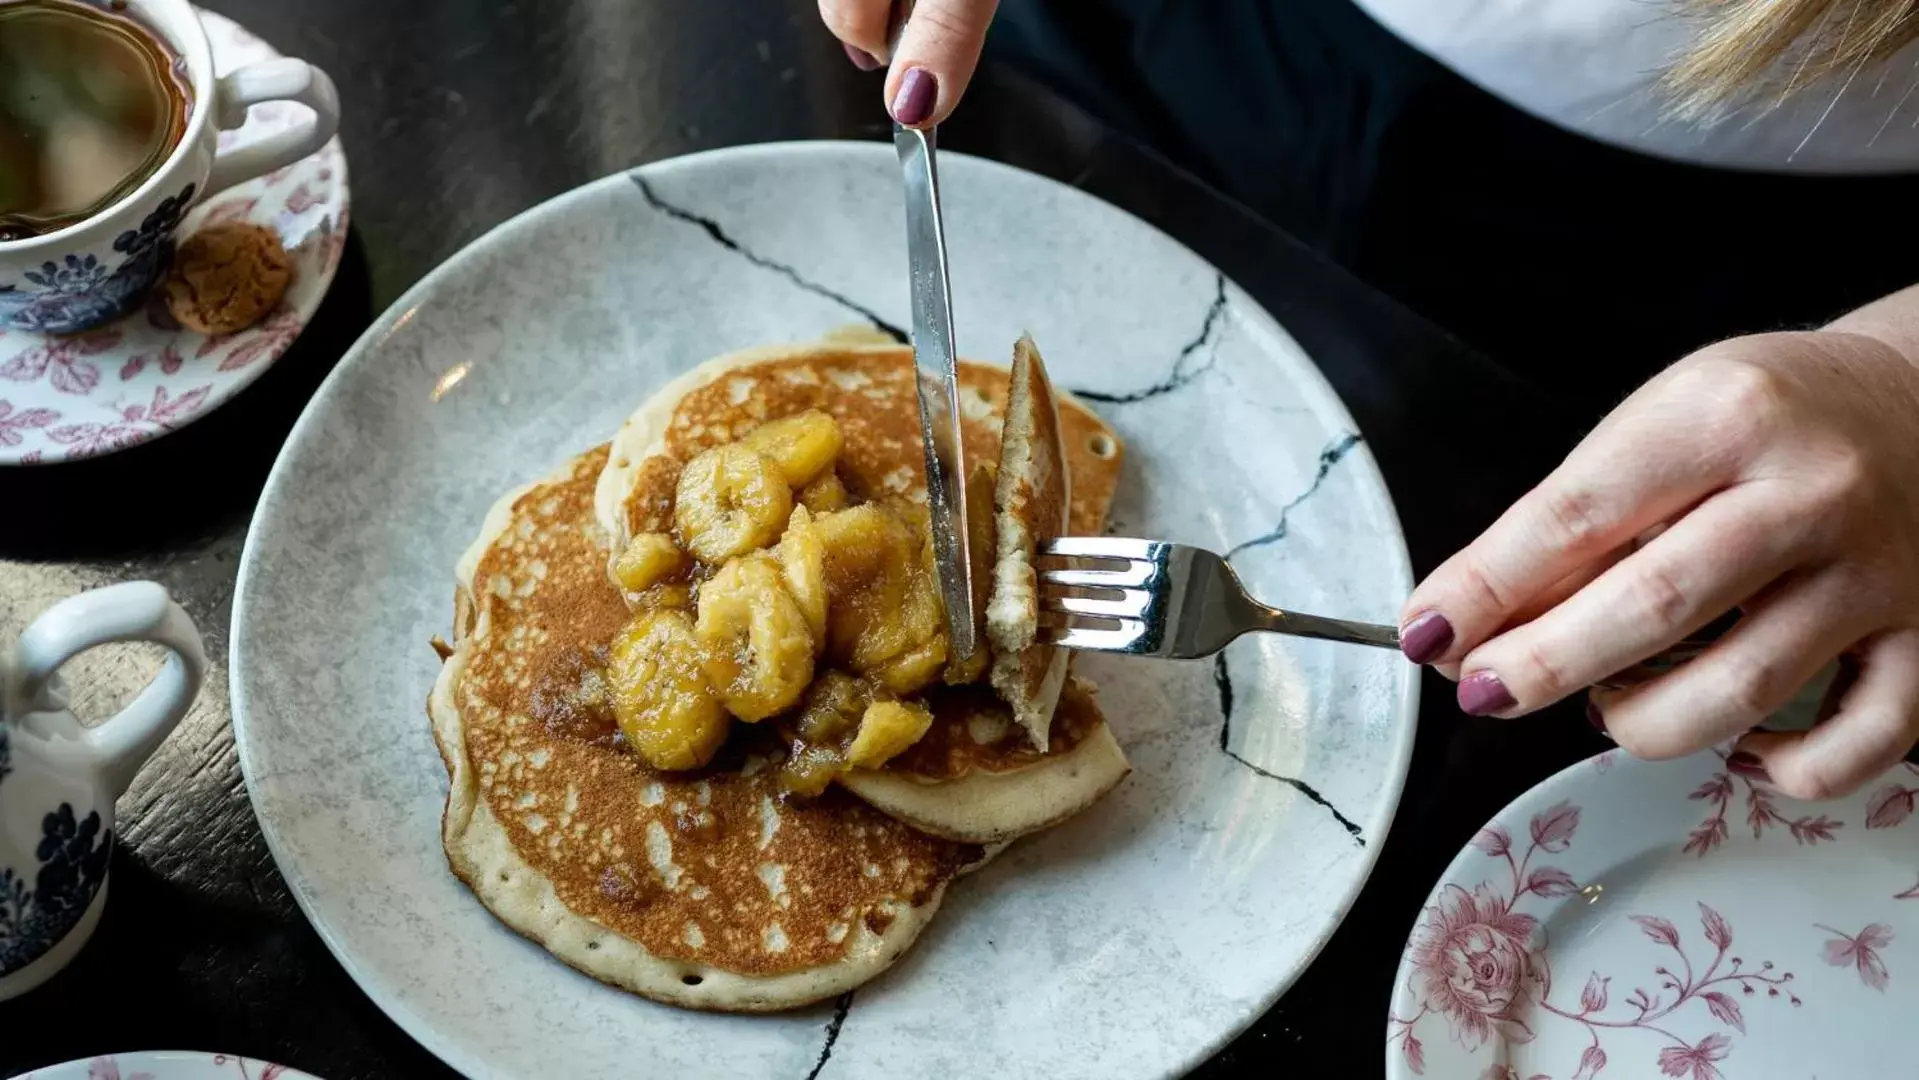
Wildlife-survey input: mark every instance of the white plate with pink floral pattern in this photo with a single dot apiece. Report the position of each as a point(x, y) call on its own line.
point(166, 1065)
point(1681, 919)
point(67, 397)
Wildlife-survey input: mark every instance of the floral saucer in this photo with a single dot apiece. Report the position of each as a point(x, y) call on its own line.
point(1670, 919)
point(166, 1065)
point(67, 397)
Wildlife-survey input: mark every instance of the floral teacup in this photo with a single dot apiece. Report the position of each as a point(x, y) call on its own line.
point(89, 273)
point(58, 779)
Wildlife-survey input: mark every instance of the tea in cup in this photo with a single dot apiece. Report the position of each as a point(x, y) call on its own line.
point(110, 114)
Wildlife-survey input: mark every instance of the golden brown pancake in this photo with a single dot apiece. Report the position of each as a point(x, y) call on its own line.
point(870, 391)
point(703, 889)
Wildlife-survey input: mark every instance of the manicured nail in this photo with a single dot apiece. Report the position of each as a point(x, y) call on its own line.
point(919, 92)
point(1482, 694)
point(862, 59)
point(1426, 638)
point(1594, 717)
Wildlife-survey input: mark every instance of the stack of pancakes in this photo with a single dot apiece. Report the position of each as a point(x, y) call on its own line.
point(712, 888)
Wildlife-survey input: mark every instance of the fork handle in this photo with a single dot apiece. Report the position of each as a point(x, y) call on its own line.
point(1385, 637)
point(1318, 626)
point(1280, 621)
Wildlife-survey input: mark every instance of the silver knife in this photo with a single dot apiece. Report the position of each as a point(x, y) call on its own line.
point(938, 368)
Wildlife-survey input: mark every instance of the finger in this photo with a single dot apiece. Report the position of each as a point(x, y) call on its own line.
point(861, 26)
point(1877, 722)
point(1428, 635)
point(1564, 589)
point(1675, 441)
point(1585, 512)
point(1780, 644)
point(1711, 559)
point(935, 59)
point(1546, 601)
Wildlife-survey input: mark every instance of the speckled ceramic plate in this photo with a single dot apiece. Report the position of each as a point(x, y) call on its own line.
point(166, 1065)
point(64, 397)
point(1683, 919)
point(1131, 941)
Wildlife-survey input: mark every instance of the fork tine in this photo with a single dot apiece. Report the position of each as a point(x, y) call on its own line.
point(1134, 576)
point(1132, 604)
point(1124, 639)
point(1100, 547)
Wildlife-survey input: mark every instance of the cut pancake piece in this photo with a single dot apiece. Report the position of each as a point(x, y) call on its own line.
point(870, 392)
point(706, 889)
point(1030, 504)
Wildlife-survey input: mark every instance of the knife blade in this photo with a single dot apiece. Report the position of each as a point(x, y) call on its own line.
point(937, 366)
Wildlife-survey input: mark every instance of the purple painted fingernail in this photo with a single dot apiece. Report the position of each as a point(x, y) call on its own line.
point(1426, 638)
point(919, 92)
point(862, 59)
point(1594, 717)
point(1482, 694)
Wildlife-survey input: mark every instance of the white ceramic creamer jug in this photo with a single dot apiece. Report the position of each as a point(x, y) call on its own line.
point(58, 778)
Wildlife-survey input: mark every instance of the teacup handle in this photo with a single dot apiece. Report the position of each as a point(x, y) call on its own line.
point(134, 611)
point(283, 79)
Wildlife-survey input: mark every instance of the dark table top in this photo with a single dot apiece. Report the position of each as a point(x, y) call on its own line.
point(459, 115)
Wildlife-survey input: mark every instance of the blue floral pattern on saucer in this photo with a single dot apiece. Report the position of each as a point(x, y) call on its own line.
point(80, 291)
point(72, 858)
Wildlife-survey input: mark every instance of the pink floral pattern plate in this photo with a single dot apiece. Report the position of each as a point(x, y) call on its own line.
point(67, 397)
point(166, 1065)
point(1676, 919)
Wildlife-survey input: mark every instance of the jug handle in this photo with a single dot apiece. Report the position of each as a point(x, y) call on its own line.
point(133, 611)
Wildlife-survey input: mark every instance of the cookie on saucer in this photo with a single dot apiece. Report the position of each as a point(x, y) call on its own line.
point(227, 277)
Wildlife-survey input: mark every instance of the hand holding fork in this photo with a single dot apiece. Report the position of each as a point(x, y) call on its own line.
point(1176, 602)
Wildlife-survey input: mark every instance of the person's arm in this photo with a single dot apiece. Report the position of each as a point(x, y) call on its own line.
point(1777, 474)
point(1893, 320)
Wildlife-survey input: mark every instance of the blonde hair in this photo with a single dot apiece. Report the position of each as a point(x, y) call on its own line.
point(1768, 50)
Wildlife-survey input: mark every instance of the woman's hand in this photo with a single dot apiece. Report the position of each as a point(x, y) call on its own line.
point(1778, 474)
point(937, 51)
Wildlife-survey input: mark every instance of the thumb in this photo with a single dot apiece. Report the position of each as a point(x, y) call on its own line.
point(935, 59)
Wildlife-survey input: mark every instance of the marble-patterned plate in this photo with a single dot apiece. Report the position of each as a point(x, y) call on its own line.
point(166, 1065)
point(1630, 919)
point(1131, 941)
point(64, 397)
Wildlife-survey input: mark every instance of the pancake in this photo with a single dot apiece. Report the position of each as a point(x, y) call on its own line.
point(1030, 500)
point(704, 889)
point(991, 785)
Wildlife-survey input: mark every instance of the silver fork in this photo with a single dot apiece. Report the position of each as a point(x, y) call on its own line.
point(1152, 598)
point(1175, 602)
